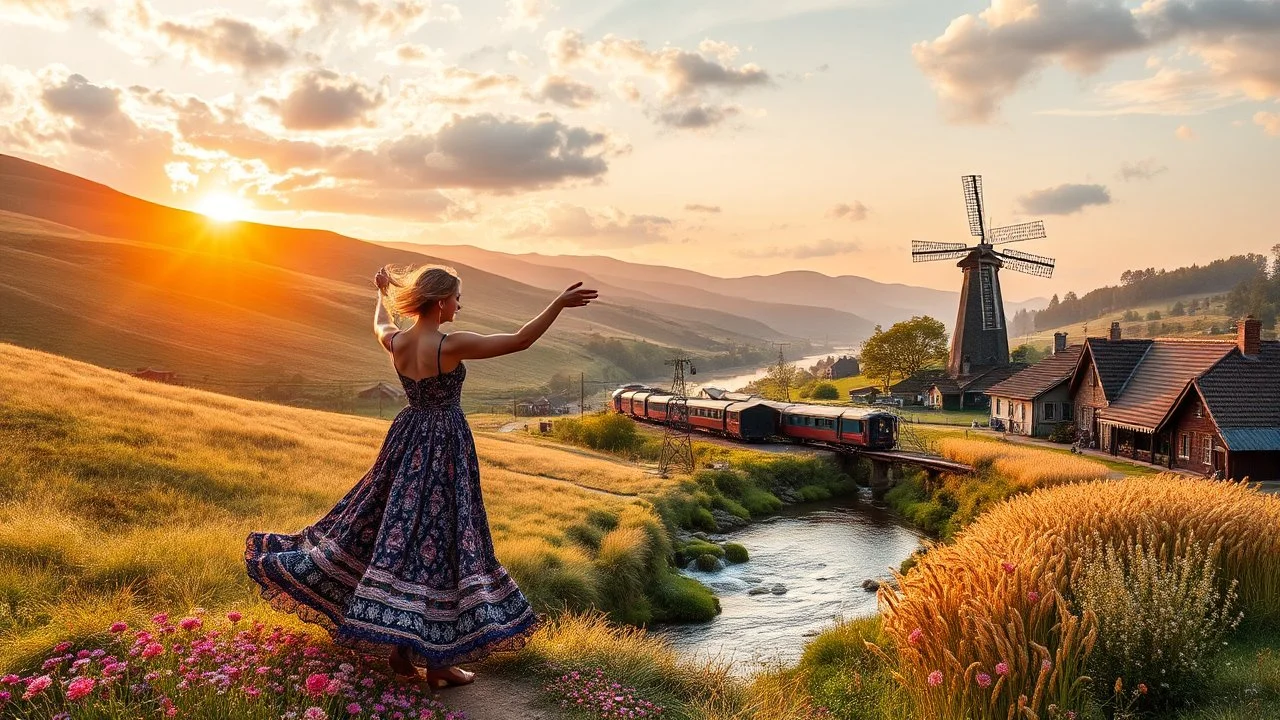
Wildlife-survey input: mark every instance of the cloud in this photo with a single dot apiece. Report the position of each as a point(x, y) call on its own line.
point(324, 100)
point(1269, 121)
point(417, 205)
point(1064, 199)
point(694, 207)
point(375, 20)
point(412, 54)
point(857, 212)
point(51, 14)
point(696, 117)
point(453, 85)
point(825, 247)
point(564, 90)
point(982, 59)
point(93, 111)
point(1141, 170)
point(1184, 133)
point(606, 227)
point(225, 42)
point(526, 14)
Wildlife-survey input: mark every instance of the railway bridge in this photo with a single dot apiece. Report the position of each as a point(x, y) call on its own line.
point(885, 463)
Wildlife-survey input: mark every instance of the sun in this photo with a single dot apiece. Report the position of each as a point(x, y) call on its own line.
point(223, 207)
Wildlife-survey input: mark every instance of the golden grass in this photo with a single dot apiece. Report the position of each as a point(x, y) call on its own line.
point(1001, 592)
point(1026, 467)
point(122, 497)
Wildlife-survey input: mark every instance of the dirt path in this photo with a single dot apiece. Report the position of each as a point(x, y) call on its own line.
point(495, 697)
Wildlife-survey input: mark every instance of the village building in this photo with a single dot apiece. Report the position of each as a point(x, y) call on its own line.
point(967, 391)
point(843, 367)
point(381, 390)
point(911, 391)
point(1154, 400)
point(1036, 401)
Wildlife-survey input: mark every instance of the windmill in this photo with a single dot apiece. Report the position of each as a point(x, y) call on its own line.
point(980, 338)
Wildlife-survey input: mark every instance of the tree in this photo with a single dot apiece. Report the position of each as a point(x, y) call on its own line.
point(904, 349)
point(1178, 309)
point(779, 381)
point(562, 383)
point(1027, 354)
point(826, 391)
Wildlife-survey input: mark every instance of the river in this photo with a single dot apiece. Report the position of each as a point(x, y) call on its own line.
point(736, 381)
point(821, 553)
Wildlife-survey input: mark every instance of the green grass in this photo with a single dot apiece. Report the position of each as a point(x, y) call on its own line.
point(1246, 682)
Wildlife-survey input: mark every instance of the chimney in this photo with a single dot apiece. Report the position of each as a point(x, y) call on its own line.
point(1249, 335)
point(1059, 342)
point(1115, 331)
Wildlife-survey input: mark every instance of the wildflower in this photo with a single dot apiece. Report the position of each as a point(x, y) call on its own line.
point(1002, 668)
point(317, 683)
point(354, 709)
point(4, 697)
point(118, 627)
point(914, 637)
point(234, 616)
point(983, 679)
point(1071, 715)
point(1033, 596)
point(9, 679)
point(80, 687)
point(61, 647)
point(1142, 688)
point(160, 618)
point(190, 623)
point(1045, 664)
point(1008, 567)
point(37, 686)
point(152, 650)
point(935, 678)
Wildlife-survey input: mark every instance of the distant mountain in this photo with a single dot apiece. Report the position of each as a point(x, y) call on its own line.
point(100, 276)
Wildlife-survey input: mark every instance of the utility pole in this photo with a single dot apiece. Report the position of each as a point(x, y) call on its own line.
point(677, 440)
point(783, 376)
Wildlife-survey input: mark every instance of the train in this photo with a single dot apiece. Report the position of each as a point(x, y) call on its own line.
point(751, 419)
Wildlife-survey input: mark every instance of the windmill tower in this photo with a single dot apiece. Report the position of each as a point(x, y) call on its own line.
point(981, 339)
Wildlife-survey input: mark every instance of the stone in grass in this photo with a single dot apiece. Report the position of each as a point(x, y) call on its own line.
point(707, 562)
point(735, 553)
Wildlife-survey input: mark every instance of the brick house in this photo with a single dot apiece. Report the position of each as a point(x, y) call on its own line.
point(844, 367)
point(1154, 400)
point(1037, 400)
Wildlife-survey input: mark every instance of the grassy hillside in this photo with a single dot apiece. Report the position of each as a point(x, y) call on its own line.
point(103, 277)
point(1200, 324)
point(122, 497)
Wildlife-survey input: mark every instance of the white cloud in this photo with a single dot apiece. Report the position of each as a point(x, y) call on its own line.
point(1269, 121)
point(1141, 170)
point(856, 212)
point(1064, 199)
point(1184, 133)
point(604, 227)
point(564, 90)
point(50, 14)
point(321, 99)
point(526, 14)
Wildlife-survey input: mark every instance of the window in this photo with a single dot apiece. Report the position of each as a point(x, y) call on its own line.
point(999, 406)
point(1184, 447)
point(1048, 411)
point(1206, 447)
point(1067, 411)
point(1022, 411)
point(851, 427)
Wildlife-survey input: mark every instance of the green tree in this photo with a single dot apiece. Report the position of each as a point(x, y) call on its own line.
point(1027, 354)
point(904, 349)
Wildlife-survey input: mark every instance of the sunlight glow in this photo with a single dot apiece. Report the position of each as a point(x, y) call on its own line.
point(223, 207)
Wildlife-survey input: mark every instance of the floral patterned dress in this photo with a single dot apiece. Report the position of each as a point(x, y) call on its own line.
point(406, 558)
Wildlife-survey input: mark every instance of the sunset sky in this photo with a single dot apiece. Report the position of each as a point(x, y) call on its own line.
point(731, 137)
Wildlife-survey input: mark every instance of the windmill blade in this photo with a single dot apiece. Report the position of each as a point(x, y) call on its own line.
point(1017, 233)
point(973, 203)
point(926, 250)
point(1037, 265)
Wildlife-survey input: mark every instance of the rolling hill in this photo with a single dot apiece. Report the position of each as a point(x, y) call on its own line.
point(107, 278)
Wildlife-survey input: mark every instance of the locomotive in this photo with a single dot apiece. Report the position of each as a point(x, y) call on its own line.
point(753, 419)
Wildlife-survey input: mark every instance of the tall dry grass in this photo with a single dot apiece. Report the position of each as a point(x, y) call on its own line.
point(121, 497)
point(1026, 467)
point(987, 627)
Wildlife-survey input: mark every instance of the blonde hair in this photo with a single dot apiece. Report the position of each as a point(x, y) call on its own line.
point(414, 290)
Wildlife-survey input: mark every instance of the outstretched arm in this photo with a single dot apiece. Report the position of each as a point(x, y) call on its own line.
point(473, 346)
point(383, 325)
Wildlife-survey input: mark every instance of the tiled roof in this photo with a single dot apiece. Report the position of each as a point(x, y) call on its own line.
point(1041, 377)
point(919, 382)
point(975, 382)
point(1244, 392)
point(1115, 361)
point(1160, 378)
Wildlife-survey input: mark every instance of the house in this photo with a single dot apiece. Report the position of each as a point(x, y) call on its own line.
point(1206, 406)
point(381, 391)
point(1037, 400)
point(164, 376)
point(844, 367)
point(967, 390)
point(863, 395)
point(912, 390)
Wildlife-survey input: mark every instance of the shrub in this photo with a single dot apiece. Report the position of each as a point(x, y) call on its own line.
point(681, 599)
point(735, 553)
point(826, 391)
point(603, 431)
point(1161, 615)
point(1063, 432)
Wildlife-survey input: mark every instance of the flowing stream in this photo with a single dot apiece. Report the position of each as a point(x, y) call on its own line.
point(821, 553)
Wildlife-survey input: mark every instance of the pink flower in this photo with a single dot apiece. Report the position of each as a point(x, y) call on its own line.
point(118, 627)
point(1033, 596)
point(252, 692)
point(190, 623)
point(234, 616)
point(1045, 665)
point(317, 683)
point(984, 680)
point(354, 709)
point(1002, 668)
point(935, 678)
point(1008, 567)
point(160, 618)
point(315, 713)
point(914, 637)
point(152, 650)
point(80, 687)
point(37, 686)
point(9, 679)
point(61, 647)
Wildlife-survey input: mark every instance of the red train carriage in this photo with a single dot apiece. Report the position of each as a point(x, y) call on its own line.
point(872, 429)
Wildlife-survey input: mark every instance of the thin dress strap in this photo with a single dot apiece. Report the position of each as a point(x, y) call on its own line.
point(440, 370)
point(391, 341)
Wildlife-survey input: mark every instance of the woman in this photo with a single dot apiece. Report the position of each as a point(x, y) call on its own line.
point(404, 564)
